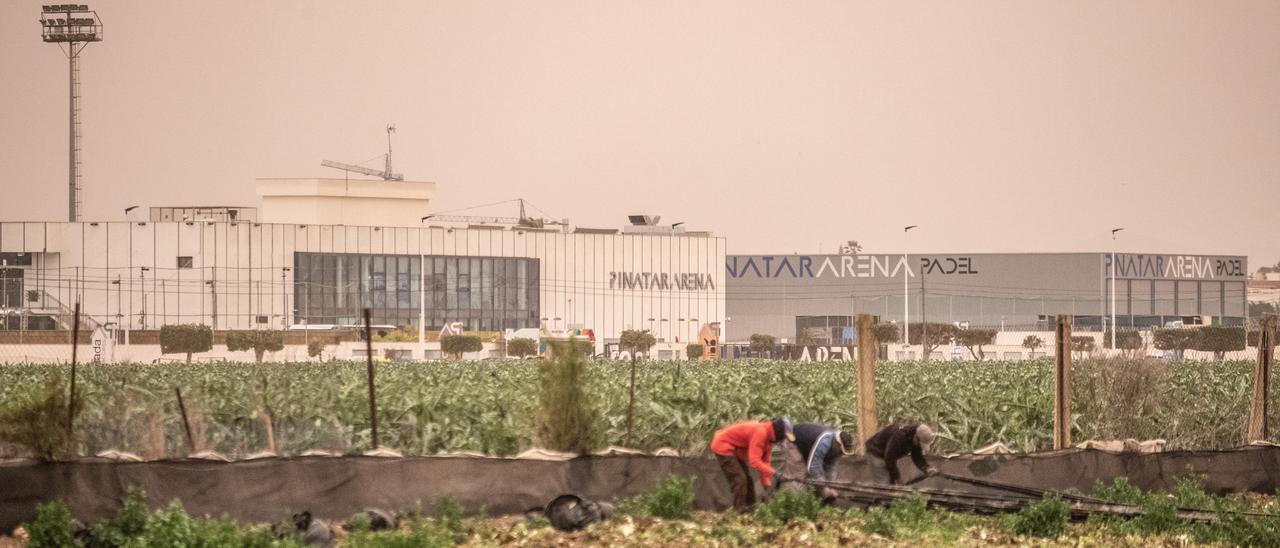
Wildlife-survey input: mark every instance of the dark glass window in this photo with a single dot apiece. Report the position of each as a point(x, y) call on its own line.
point(489, 293)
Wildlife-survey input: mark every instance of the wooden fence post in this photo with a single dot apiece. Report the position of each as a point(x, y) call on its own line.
point(373, 398)
point(75, 345)
point(1062, 383)
point(1257, 429)
point(186, 424)
point(866, 381)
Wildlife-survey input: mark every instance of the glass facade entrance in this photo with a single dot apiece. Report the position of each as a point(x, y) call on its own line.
point(483, 293)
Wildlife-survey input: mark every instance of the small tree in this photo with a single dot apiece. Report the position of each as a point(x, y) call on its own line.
point(1177, 341)
point(260, 342)
point(634, 342)
point(1082, 345)
point(973, 339)
point(567, 417)
point(1220, 340)
point(522, 347)
point(187, 338)
point(886, 333)
point(693, 351)
point(1032, 342)
point(931, 335)
point(315, 348)
point(457, 345)
point(761, 343)
point(1129, 340)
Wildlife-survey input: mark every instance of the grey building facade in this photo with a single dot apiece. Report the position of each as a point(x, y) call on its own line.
point(785, 295)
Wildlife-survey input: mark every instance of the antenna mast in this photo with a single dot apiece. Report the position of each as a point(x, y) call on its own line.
point(391, 128)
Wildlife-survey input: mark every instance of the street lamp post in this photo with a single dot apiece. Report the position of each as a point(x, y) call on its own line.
point(906, 297)
point(284, 297)
point(119, 309)
point(422, 292)
point(213, 300)
point(142, 275)
point(1113, 287)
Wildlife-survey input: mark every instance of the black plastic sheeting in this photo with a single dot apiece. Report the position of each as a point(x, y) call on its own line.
point(267, 490)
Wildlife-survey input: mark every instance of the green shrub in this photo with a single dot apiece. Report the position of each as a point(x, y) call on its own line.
point(906, 514)
point(187, 338)
point(39, 421)
point(1129, 341)
point(315, 348)
point(885, 333)
point(259, 341)
point(1120, 492)
point(457, 345)
point(636, 341)
point(761, 343)
point(420, 534)
point(448, 513)
point(693, 351)
point(974, 339)
point(1032, 343)
point(1159, 515)
point(879, 522)
point(568, 419)
point(1237, 529)
point(129, 522)
point(788, 506)
point(53, 527)
point(672, 498)
point(522, 347)
point(1176, 340)
point(1046, 518)
point(1219, 340)
point(1189, 493)
point(1082, 344)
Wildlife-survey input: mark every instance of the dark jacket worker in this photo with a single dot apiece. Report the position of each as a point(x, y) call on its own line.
point(896, 441)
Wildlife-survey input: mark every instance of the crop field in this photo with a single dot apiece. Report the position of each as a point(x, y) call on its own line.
point(664, 516)
point(488, 406)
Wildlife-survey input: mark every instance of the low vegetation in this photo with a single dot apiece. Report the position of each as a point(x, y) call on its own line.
point(663, 516)
point(494, 406)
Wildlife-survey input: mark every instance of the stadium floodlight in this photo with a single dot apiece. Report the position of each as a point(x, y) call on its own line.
point(72, 27)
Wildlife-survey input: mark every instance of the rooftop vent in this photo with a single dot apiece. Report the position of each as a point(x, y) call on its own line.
point(644, 220)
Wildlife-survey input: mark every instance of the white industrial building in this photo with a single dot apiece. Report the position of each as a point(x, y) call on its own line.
point(321, 250)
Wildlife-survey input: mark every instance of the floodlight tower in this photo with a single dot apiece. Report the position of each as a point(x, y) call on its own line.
point(74, 25)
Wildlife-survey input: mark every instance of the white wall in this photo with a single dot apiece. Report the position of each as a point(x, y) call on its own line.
point(246, 262)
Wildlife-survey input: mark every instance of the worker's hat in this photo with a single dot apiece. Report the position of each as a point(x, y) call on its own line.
point(782, 429)
point(924, 436)
point(845, 439)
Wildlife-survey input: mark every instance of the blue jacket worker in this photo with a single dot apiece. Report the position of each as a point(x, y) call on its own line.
point(822, 446)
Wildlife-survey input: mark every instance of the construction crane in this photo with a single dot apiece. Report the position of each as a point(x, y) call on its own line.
point(386, 173)
point(524, 220)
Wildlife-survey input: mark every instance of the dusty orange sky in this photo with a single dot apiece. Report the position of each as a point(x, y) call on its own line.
point(784, 126)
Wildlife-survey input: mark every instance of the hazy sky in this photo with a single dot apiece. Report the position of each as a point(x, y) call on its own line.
point(784, 126)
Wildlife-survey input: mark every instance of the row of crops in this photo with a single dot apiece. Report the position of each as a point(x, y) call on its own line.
point(489, 406)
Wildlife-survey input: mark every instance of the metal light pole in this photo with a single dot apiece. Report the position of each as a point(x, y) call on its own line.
point(1114, 327)
point(74, 25)
point(284, 297)
point(213, 300)
point(422, 288)
point(906, 299)
point(142, 274)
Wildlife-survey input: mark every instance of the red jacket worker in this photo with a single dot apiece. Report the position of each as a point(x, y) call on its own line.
point(746, 445)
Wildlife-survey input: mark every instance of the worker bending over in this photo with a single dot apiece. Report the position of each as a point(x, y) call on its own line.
point(822, 446)
point(896, 440)
point(746, 445)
